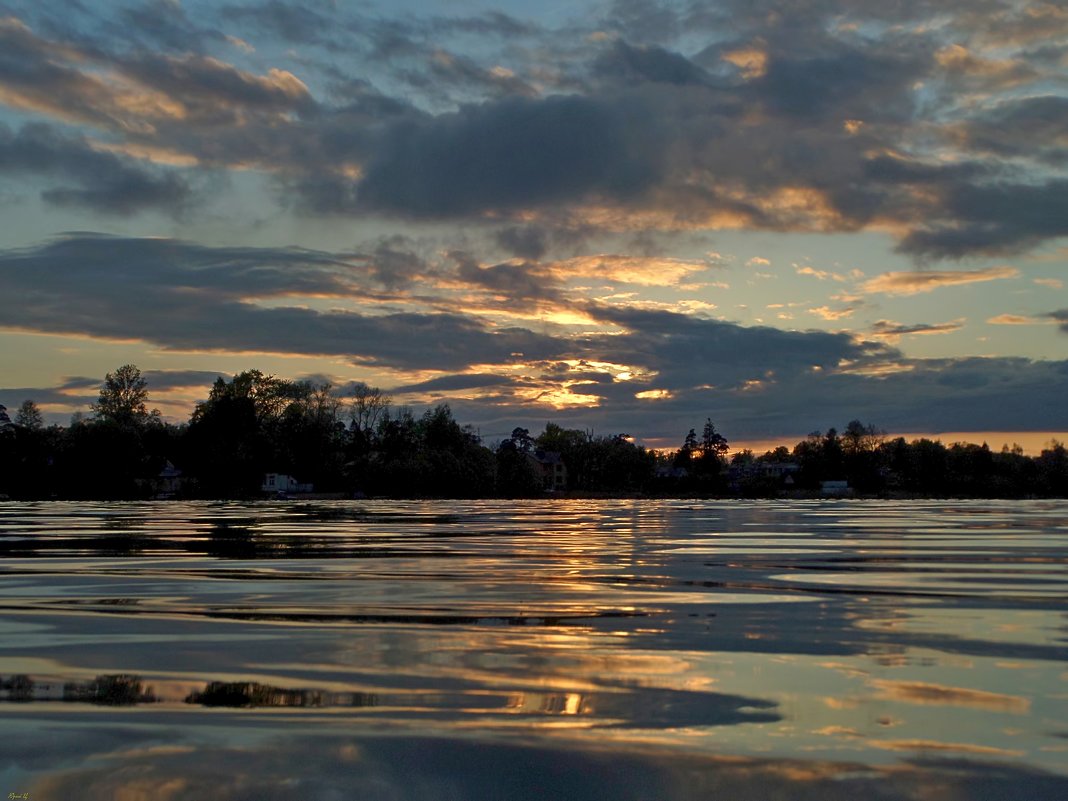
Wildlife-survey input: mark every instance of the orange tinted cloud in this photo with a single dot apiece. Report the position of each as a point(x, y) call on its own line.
point(913, 283)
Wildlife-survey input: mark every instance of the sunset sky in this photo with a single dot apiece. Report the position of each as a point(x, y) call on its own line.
point(623, 216)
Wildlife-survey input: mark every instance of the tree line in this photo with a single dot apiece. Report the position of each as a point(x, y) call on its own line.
point(357, 442)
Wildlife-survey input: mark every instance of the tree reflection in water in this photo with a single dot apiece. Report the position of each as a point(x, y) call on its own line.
point(251, 694)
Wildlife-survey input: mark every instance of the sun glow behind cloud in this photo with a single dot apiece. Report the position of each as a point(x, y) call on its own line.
point(616, 202)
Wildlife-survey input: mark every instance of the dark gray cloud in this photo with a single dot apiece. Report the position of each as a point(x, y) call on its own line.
point(42, 74)
point(506, 155)
point(162, 24)
point(447, 69)
point(13, 396)
point(488, 23)
point(394, 262)
point(1061, 316)
point(690, 351)
point(141, 96)
point(454, 382)
point(180, 379)
point(295, 23)
point(84, 390)
point(993, 219)
point(891, 330)
point(982, 394)
point(217, 93)
point(520, 282)
point(846, 81)
point(527, 242)
point(1031, 127)
point(645, 20)
point(753, 381)
point(182, 296)
point(625, 63)
point(653, 133)
point(103, 182)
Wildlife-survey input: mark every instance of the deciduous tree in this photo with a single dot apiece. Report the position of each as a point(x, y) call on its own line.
point(123, 398)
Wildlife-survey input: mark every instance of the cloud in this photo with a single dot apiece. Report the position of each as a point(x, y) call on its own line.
point(892, 332)
point(1060, 316)
point(162, 24)
point(297, 23)
point(822, 275)
point(993, 219)
point(913, 283)
point(182, 296)
point(452, 69)
point(103, 182)
point(394, 263)
point(639, 270)
point(450, 383)
point(138, 95)
point(520, 281)
point(504, 156)
point(627, 64)
point(1015, 319)
point(527, 242)
point(642, 136)
point(754, 381)
point(487, 23)
point(1031, 127)
point(81, 391)
point(209, 90)
point(827, 313)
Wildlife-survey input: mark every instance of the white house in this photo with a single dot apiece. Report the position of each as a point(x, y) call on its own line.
point(282, 484)
point(835, 489)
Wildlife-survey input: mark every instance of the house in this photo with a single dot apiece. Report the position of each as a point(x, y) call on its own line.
point(169, 481)
point(836, 489)
point(553, 470)
point(666, 471)
point(761, 475)
point(779, 470)
point(283, 484)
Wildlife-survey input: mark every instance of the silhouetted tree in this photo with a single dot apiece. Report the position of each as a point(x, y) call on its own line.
point(713, 444)
point(861, 460)
point(29, 416)
point(231, 434)
point(367, 407)
point(518, 474)
point(1052, 464)
point(684, 456)
point(123, 398)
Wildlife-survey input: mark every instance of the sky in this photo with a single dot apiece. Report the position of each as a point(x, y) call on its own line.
point(626, 217)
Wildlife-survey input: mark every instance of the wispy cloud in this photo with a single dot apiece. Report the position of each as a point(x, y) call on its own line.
point(827, 313)
point(1019, 319)
point(916, 282)
point(1052, 283)
point(892, 332)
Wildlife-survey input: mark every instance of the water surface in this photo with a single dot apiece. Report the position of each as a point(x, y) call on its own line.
point(557, 649)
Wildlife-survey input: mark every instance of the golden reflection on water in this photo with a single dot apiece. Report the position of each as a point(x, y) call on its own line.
point(925, 693)
point(808, 632)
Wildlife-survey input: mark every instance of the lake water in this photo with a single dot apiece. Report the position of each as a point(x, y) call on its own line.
point(534, 650)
